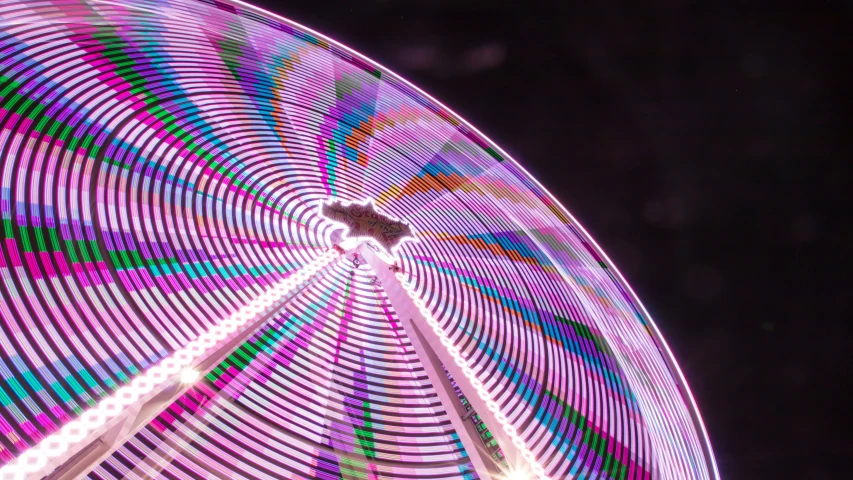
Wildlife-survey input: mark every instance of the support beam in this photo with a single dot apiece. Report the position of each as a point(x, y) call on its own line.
point(433, 355)
point(85, 455)
point(468, 434)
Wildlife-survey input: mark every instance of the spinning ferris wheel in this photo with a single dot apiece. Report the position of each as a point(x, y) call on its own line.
point(233, 248)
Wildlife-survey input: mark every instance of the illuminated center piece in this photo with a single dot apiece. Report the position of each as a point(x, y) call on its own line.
point(364, 222)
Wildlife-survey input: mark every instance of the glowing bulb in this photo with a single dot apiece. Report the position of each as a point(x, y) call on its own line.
point(189, 375)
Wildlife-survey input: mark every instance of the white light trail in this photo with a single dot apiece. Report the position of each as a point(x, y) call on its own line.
point(175, 368)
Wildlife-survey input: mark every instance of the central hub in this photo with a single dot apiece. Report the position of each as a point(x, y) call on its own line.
point(362, 221)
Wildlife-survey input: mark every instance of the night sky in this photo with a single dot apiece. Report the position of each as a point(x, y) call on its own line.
point(704, 148)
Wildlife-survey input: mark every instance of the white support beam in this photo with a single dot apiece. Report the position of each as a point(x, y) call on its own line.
point(85, 455)
point(480, 458)
point(433, 355)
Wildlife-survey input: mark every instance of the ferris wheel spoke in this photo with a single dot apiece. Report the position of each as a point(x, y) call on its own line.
point(105, 427)
point(438, 357)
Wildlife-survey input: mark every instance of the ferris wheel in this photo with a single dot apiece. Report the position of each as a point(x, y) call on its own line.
point(234, 248)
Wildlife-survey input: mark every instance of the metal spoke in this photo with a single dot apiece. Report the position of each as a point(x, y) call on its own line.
point(105, 427)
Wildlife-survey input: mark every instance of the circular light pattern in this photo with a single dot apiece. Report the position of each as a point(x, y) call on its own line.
point(143, 385)
point(162, 167)
point(332, 386)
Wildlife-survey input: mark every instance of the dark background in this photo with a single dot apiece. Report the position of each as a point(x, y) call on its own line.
point(703, 147)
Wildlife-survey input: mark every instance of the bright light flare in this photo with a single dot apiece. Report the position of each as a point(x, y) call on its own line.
point(189, 375)
point(538, 472)
point(518, 475)
point(180, 363)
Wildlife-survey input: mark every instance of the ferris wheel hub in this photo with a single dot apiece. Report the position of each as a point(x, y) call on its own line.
point(362, 221)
